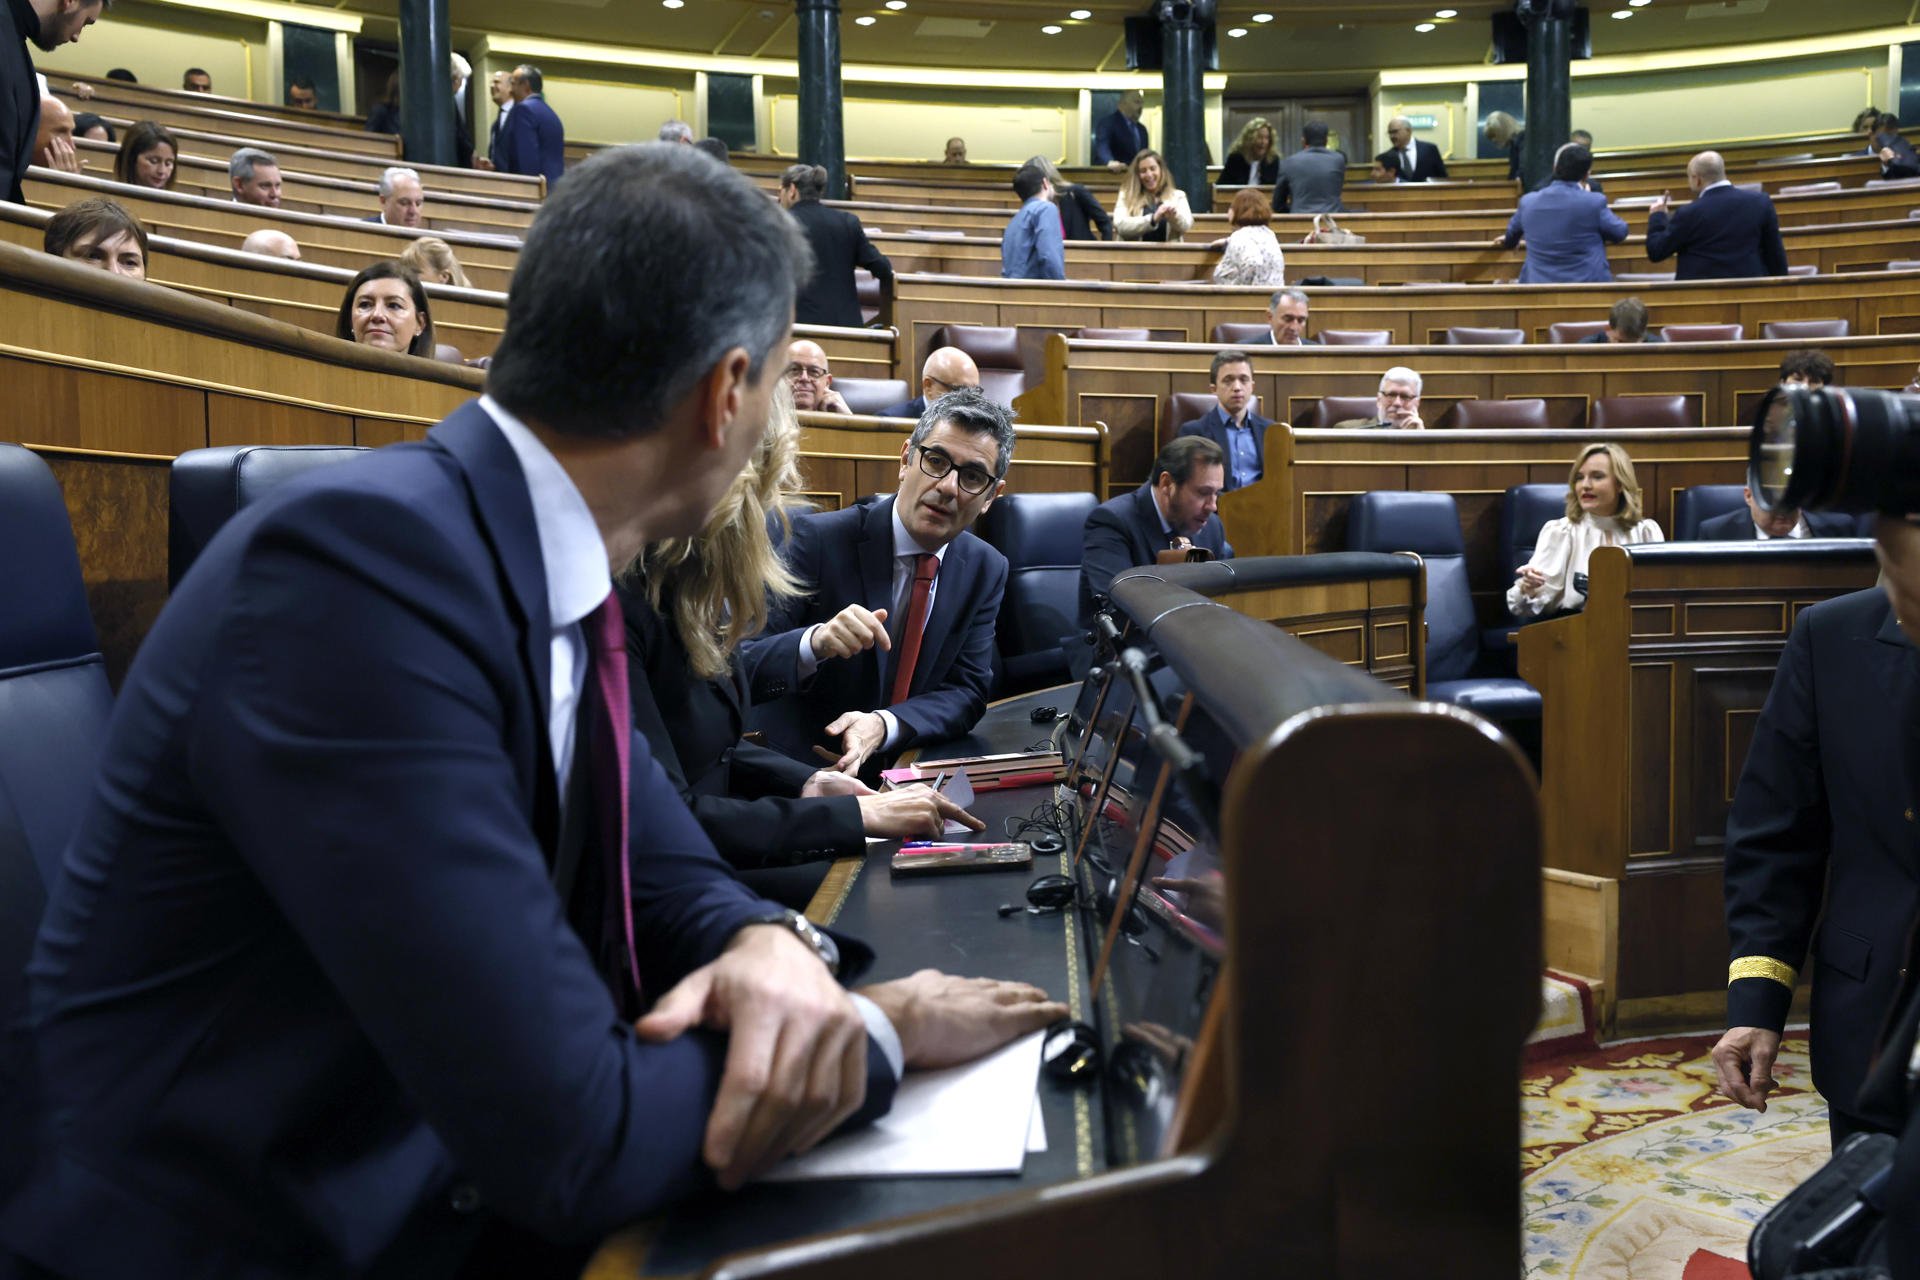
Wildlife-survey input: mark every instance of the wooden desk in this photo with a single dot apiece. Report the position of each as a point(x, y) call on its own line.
point(1651, 695)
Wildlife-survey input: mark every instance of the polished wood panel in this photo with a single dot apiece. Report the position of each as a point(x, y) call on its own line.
point(204, 111)
point(118, 506)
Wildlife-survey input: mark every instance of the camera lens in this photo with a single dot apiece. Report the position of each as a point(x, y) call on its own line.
point(1836, 449)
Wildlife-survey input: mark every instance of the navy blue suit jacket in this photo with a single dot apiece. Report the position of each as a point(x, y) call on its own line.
point(533, 141)
point(1723, 234)
point(1822, 804)
point(1124, 533)
point(304, 999)
point(847, 558)
point(911, 409)
point(1567, 231)
point(1737, 526)
point(1117, 138)
point(1213, 425)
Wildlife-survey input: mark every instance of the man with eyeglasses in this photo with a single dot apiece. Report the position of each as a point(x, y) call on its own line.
point(894, 644)
point(810, 378)
point(947, 369)
point(1397, 404)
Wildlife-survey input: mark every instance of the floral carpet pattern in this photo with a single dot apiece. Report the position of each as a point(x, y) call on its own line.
point(1634, 1169)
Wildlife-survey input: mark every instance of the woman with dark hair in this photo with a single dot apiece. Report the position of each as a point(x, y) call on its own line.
point(101, 234)
point(386, 307)
point(384, 117)
point(89, 125)
point(148, 157)
point(1252, 254)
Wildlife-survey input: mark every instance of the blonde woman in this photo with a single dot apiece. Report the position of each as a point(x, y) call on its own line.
point(689, 602)
point(432, 260)
point(1504, 131)
point(1253, 160)
point(1603, 510)
point(1149, 206)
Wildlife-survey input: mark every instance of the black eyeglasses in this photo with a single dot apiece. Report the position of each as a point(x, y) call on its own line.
point(971, 479)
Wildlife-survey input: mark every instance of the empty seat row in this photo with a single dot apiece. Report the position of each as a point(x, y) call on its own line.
point(1565, 331)
point(1604, 413)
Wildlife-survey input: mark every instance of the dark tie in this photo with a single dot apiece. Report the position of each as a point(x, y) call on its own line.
point(924, 567)
point(608, 702)
point(1409, 159)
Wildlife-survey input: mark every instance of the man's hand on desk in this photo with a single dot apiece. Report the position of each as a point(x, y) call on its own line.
point(861, 733)
point(854, 629)
point(912, 811)
point(944, 1020)
point(796, 1049)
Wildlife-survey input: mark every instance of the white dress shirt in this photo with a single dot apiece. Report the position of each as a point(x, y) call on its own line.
point(1799, 529)
point(1562, 552)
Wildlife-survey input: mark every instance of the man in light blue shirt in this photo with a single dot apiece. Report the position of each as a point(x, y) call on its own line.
point(1033, 246)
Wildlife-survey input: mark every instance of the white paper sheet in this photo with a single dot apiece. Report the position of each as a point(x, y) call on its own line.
point(1036, 1129)
point(974, 1119)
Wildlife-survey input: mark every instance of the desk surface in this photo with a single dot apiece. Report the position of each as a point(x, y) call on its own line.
point(942, 922)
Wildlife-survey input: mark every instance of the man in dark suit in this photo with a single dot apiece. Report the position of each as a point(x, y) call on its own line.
point(1824, 809)
point(402, 199)
point(894, 644)
point(1723, 234)
point(49, 24)
point(341, 972)
point(1567, 228)
point(1312, 178)
point(1176, 508)
point(947, 369)
point(1231, 423)
point(1626, 322)
point(839, 245)
point(1756, 523)
point(1896, 155)
point(532, 139)
point(1119, 137)
point(1417, 161)
point(500, 89)
point(1286, 321)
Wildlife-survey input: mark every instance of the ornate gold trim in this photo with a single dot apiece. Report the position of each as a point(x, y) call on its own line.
point(1761, 967)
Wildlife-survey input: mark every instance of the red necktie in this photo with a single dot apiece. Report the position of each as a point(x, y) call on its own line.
point(611, 734)
point(924, 567)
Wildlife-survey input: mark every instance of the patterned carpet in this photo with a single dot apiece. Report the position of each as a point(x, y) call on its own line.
point(1636, 1170)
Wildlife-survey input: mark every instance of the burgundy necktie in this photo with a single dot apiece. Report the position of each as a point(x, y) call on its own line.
point(924, 567)
point(610, 738)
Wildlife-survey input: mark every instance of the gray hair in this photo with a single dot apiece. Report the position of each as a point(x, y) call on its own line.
point(240, 167)
point(810, 180)
point(1298, 295)
point(1400, 373)
point(395, 174)
point(624, 298)
point(1400, 120)
point(969, 409)
point(461, 68)
point(676, 131)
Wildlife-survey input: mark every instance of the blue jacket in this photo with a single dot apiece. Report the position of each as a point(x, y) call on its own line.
point(1117, 138)
point(1567, 231)
point(1213, 425)
point(305, 1000)
point(847, 558)
point(533, 141)
point(1033, 246)
point(1723, 234)
point(1124, 533)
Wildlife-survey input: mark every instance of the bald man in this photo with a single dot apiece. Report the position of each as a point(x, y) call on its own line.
point(1723, 234)
point(271, 244)
point(947, 369)
point(810, 378)
point(53, 141)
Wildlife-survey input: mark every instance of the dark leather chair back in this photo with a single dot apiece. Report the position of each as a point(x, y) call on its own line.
point(1702, 502)
point(1356, 337)
point(1331, 409)
point(1703, 332)
point(1464, 336)
point(995, 350)
point(1188, 405)
point(1041, 536)
point(1804, 329)
point(54, 703)
point(1575, 330)
point(1524, 414)
point(1115, 335)
point(1235, 334)
point(1428, 524)
point(209, 486)
point(1612, 413)
point(871, 395)
point(1524, 511)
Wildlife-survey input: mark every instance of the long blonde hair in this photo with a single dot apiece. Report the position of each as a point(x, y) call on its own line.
point(1501, 128)
point(720, 582)
point(1629, 511)
point(431, 258)
point(1136, 198)
point(1245, 140)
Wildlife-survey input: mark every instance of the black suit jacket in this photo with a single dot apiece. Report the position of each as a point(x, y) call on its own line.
point(19, 96)
point(911, 409)
point(1124, 533)
point(1428, 164)
point(1238, 171)
point(839, 245)
point(1080, 214)
point(1737, 526)
point(746, 797)
point(1266, 340)
point(1722, 234)
point(847, 557)
point(1213, 425)
point(1825, 799)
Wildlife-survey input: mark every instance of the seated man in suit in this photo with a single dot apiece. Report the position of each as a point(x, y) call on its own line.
point(1312, 178)
point(255, 177)
point(1397, 402)
point(1724, 234)
point(1756, 524)
point(810, 378)
point(345, 969)
point(402, 199)
point(1418, 161)
point(894, 643)
point(1626, 322)
point(1896, 155)
point(947, 369)
point(1232, 424)
point(1287, 320)
point(1176, 508)
point(1385, 171)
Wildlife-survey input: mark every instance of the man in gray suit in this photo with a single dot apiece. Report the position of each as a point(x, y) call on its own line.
point(1312, 178)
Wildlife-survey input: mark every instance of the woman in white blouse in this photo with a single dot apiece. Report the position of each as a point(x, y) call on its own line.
point(1603, 510)
point(1252, 253)
point(1149, 206)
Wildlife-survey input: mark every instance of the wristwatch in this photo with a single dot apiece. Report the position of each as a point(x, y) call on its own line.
point(818, 942)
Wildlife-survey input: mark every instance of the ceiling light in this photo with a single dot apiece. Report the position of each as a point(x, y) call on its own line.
point(1623, 13)
point(1639, 3)
point(865, 20)
point(1050, 30)
point(1423, 26)
point(1446, 13)
point(1263, 17)
point(1080, 15)
point(1237, 32)
point(896, 5)
point(672, 4)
